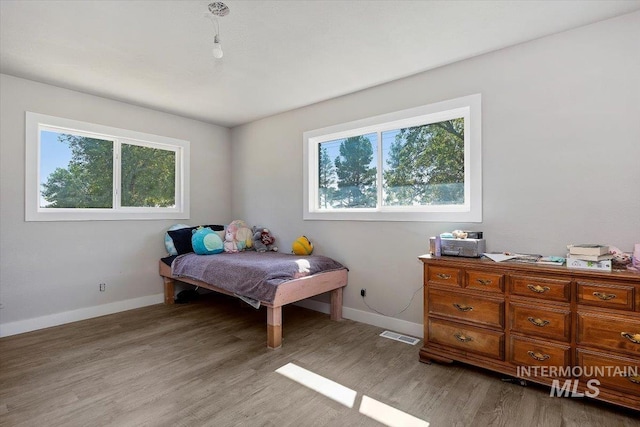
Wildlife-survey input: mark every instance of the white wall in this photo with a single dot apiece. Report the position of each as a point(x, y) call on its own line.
point(561, 159)
point(50, 271)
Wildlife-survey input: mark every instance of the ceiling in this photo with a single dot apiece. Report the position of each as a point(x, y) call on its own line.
point(278, 55)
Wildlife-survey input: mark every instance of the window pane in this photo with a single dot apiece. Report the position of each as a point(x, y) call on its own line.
point(148, 177)
point(75, 171)
point(347, 172)
point(424, 165)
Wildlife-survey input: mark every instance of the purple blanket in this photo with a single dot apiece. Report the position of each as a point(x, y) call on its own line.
point(252, 274)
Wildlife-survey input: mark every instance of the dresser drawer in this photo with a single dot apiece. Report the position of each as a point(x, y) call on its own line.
point(527, 352)
point(445, 276)
point(475, 309)
point(609, 332)
point(541, 321)
point(467, 338)
point(614, 372)
point(485, 281)
point(606, 295)
point(534, 287)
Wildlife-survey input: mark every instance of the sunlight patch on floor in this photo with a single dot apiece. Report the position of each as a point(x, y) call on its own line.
point(322, 385)
point(372, 408)
point(388, 415)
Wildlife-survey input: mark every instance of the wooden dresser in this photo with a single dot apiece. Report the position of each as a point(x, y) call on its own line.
point(502, 316)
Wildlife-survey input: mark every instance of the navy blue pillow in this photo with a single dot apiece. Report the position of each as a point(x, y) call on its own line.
point(182, 237)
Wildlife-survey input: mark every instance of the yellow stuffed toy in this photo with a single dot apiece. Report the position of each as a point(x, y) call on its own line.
point(302, 246)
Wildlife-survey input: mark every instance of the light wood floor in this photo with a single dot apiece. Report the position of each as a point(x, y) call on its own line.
point(206, 364)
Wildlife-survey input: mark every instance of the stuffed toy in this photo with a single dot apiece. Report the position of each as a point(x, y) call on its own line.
point(230, 242)
point(205, 241)
point(302, 246)
point(242, 234)
point(459, 234)
point(263, 241)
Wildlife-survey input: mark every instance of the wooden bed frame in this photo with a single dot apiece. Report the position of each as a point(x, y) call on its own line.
point(286, 293)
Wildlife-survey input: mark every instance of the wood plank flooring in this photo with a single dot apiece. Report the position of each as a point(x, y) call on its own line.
point(206, 364)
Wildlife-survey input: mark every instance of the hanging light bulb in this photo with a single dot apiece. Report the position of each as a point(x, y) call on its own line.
point(217, 48)
point(218, 10)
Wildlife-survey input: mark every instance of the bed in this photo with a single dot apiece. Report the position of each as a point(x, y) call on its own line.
point(273, 279)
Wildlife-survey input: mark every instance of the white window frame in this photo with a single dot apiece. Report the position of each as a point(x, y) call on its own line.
point(468, 107)
point(35, 123)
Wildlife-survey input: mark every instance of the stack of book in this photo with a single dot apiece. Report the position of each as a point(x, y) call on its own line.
point(589, 256)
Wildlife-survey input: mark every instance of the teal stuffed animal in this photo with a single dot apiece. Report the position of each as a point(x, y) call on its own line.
point(205, 241)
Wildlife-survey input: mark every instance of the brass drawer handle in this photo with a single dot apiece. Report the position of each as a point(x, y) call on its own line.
point(634, 379)
point(634, 338)
point(538, 356)
point(462, 307)
point(484, 282)
point(460, 337)
point(538, 322)
point(603, 296)
point(538, 289)
point(444, 276)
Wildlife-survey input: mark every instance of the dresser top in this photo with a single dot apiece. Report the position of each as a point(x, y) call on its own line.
point(523, 268)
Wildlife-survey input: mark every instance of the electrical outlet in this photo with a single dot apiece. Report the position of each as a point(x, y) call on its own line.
point(363, 292)
point(103, 287)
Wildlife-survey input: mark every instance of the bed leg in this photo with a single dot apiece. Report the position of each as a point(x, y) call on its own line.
point(168, 291)
point(274, 327)
point(336, 304)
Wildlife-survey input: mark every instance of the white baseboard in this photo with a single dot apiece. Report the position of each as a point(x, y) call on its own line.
point(391, 323)
point(28, 325)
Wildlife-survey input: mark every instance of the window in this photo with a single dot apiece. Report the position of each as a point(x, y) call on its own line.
point(81, 171)
point(421, 164)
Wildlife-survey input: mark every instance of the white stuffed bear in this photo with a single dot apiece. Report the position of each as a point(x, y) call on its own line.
point(230, 242)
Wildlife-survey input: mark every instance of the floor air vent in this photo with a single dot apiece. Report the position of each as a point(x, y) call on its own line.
point(400, 337)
